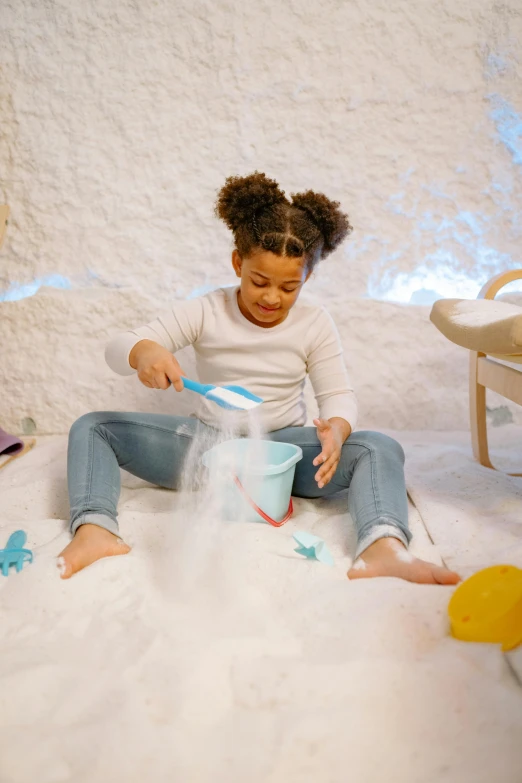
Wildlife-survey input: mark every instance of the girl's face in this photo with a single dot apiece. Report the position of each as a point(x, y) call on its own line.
point(270, 285)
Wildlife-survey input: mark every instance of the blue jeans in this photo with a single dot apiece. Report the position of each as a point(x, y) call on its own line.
point(154, 447)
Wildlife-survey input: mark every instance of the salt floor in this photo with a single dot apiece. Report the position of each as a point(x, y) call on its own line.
point(264, 667)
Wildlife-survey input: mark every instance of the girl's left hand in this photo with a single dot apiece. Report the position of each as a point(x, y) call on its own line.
point(332, 441)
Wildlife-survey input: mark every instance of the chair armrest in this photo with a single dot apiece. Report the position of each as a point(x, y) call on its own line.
point(493, 286)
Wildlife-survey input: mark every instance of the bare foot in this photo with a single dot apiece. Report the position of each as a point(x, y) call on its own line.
point(89, 544)
point(389, 557)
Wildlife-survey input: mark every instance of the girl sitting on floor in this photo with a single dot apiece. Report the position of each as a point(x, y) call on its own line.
point(260, 336)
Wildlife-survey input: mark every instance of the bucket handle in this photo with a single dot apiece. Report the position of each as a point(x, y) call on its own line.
point(262, 513)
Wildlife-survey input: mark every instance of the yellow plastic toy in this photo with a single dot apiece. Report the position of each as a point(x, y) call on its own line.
point(487, 607)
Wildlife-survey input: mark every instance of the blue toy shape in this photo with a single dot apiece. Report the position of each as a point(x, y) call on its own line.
point(312, 547)
point(14, 554)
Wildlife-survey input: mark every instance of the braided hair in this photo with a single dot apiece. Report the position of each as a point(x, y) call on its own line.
point(261, 217)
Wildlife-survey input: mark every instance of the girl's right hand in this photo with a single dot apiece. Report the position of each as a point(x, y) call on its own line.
point(157, 368)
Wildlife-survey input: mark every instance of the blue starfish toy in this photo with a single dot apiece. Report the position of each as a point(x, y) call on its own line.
point(14, 554)
point(312, 547)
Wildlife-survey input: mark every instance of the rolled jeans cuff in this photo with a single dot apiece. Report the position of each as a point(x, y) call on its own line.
point(381, 530)
point(102, 520)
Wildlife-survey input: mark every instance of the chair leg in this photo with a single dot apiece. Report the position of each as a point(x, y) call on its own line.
point(477, 413)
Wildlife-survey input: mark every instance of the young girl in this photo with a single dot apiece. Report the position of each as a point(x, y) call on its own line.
point(257, 335)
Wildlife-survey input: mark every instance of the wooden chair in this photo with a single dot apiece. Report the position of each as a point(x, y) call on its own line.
point(493, 334)
point(485, 373)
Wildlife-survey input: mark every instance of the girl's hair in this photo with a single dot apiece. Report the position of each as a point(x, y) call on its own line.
point(262, 218)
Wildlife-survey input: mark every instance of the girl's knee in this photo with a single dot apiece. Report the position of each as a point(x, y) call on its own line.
point(87, 422)
point(380, 443)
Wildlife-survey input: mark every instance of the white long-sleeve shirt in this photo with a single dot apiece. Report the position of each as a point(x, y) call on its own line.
point(270, 362)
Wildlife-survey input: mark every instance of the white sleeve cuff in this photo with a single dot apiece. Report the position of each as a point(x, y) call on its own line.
point(342, 406)
point(118, 350)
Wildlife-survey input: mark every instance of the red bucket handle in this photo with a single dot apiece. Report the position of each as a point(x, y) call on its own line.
point(262, 513)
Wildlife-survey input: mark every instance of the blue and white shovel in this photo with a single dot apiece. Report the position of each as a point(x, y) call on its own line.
point(229, 397)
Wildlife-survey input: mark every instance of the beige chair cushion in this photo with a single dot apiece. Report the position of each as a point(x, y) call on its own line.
point(485, 325)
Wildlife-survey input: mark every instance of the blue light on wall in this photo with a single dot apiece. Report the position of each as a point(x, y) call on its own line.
point(508, 124)
point(201, 290)
point(18, 291)
point(464, 256)
point(459, 265)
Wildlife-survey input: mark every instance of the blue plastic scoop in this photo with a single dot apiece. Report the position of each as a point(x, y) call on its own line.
point(230, 397)
point(14, 554)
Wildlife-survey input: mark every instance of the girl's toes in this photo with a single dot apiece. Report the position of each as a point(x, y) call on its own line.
point(445, 577)
point(64, 568)
point(359, 570)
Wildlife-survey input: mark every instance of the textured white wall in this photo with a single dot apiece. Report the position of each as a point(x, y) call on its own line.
point(120, 121)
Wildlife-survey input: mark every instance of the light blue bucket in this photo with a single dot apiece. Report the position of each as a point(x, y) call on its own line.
point(257, 478)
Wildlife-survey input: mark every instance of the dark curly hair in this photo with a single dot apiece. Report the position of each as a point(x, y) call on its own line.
point(261, 217)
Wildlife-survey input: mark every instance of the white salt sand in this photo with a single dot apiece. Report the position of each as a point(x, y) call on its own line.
point(263, 666)
point(404, 554)
point(190, 558)
point(233, 398)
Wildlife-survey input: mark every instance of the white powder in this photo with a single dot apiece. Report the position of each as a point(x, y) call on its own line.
point(261, 686)
point(404, 555)
point(359, 565)
point(202, 505)
point(234, 399)
point(60, 565)
point(483, 312)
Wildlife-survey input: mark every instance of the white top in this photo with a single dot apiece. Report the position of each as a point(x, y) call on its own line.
point(270, 362)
